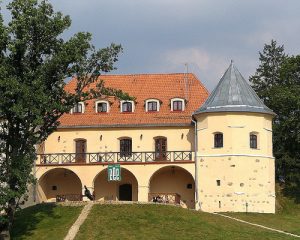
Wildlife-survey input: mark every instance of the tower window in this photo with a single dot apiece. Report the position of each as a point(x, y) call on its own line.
point(218, 182)
point(218, 140)
point(253, 141)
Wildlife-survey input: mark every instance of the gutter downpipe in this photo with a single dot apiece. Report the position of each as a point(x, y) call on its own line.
point(196, 165)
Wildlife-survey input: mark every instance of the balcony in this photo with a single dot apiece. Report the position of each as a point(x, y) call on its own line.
point(114, 157)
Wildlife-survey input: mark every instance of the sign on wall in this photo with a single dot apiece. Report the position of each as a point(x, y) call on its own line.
point(114, 172)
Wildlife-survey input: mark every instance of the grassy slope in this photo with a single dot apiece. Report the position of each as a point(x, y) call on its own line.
point(44, 222)
point(164, 222)
point(286, 219)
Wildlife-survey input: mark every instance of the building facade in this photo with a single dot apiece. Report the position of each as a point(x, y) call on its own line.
point(173, 144)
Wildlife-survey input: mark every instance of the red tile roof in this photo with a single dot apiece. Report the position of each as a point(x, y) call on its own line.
point(142, 86)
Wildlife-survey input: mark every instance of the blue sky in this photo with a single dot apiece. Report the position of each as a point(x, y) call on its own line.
point(160, 36)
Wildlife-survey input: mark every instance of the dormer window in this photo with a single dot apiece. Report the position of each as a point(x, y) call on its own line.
point(127, 106)
point(177, 104)
point(78, 108)
point(152, 105)
point(102, 107)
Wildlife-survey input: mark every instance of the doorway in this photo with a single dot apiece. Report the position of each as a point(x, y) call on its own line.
point(80, 150)
point(125, 192)
point(160, 148)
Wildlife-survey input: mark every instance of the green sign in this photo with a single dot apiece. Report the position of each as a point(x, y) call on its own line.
point(114, 172)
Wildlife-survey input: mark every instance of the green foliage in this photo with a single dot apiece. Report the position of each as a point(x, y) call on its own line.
point(277, 81)
point(34, 62)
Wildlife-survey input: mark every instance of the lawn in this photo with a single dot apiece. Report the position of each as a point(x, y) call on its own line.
point(164, 222)
point(44, 221)
point(286, 219)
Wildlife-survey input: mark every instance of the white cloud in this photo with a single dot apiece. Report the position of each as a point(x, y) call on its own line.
point(207, 66)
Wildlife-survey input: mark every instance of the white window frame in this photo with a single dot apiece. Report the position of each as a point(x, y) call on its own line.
point(178, 99)
point(82, 107)
point(152, 100)
point(102, 101)
point(121, 105)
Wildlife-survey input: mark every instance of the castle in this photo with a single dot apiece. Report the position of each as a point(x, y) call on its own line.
point(172, 144)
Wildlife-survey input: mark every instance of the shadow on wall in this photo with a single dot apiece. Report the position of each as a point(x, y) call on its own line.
point(191, 138)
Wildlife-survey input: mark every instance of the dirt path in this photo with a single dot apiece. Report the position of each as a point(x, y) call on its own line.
point(75, 227)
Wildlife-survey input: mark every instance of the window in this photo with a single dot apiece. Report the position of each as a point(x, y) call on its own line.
point(125, 147)
point(218, 182)
point(102, 106)
point(253, 140)
point(218, 140)
point(152, 105)
point(78, 108)
point(177, 104)
point(127, 106)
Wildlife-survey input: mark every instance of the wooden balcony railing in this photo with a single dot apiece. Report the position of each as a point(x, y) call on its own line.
point(171, 198)
point(111, 157)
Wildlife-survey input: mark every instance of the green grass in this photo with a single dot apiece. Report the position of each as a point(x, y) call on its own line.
point(164, 222)
point(286, 219)
point(44, 221)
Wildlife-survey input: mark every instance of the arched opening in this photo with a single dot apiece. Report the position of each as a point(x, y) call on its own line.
point(60, 184)
point(172, 184)
point(124, 190)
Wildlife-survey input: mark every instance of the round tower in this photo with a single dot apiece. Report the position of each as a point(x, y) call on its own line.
point(235, 165)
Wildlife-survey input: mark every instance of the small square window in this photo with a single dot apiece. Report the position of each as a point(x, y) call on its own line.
point(189, 186)
point(77, 108)
point(152, 106)
point(102, 107)
point(177, 105)
point(54, 188)
point(126, 107)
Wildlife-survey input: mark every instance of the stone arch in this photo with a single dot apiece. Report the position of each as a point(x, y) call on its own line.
point(59, 182)
point(174, 180)
point(105, 190)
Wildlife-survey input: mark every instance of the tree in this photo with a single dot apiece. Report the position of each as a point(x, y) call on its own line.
point(34, 64)
point(278, 84)
point(267, 74)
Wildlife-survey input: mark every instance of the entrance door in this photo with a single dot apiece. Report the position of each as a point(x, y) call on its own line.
point(80, 150)
point(125, 192)
point(160, 148)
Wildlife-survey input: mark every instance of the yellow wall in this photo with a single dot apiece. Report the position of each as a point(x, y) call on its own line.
point(246, 175)
point(178, 139)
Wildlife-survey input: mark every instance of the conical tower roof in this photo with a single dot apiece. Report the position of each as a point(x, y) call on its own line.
point(233, 94)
